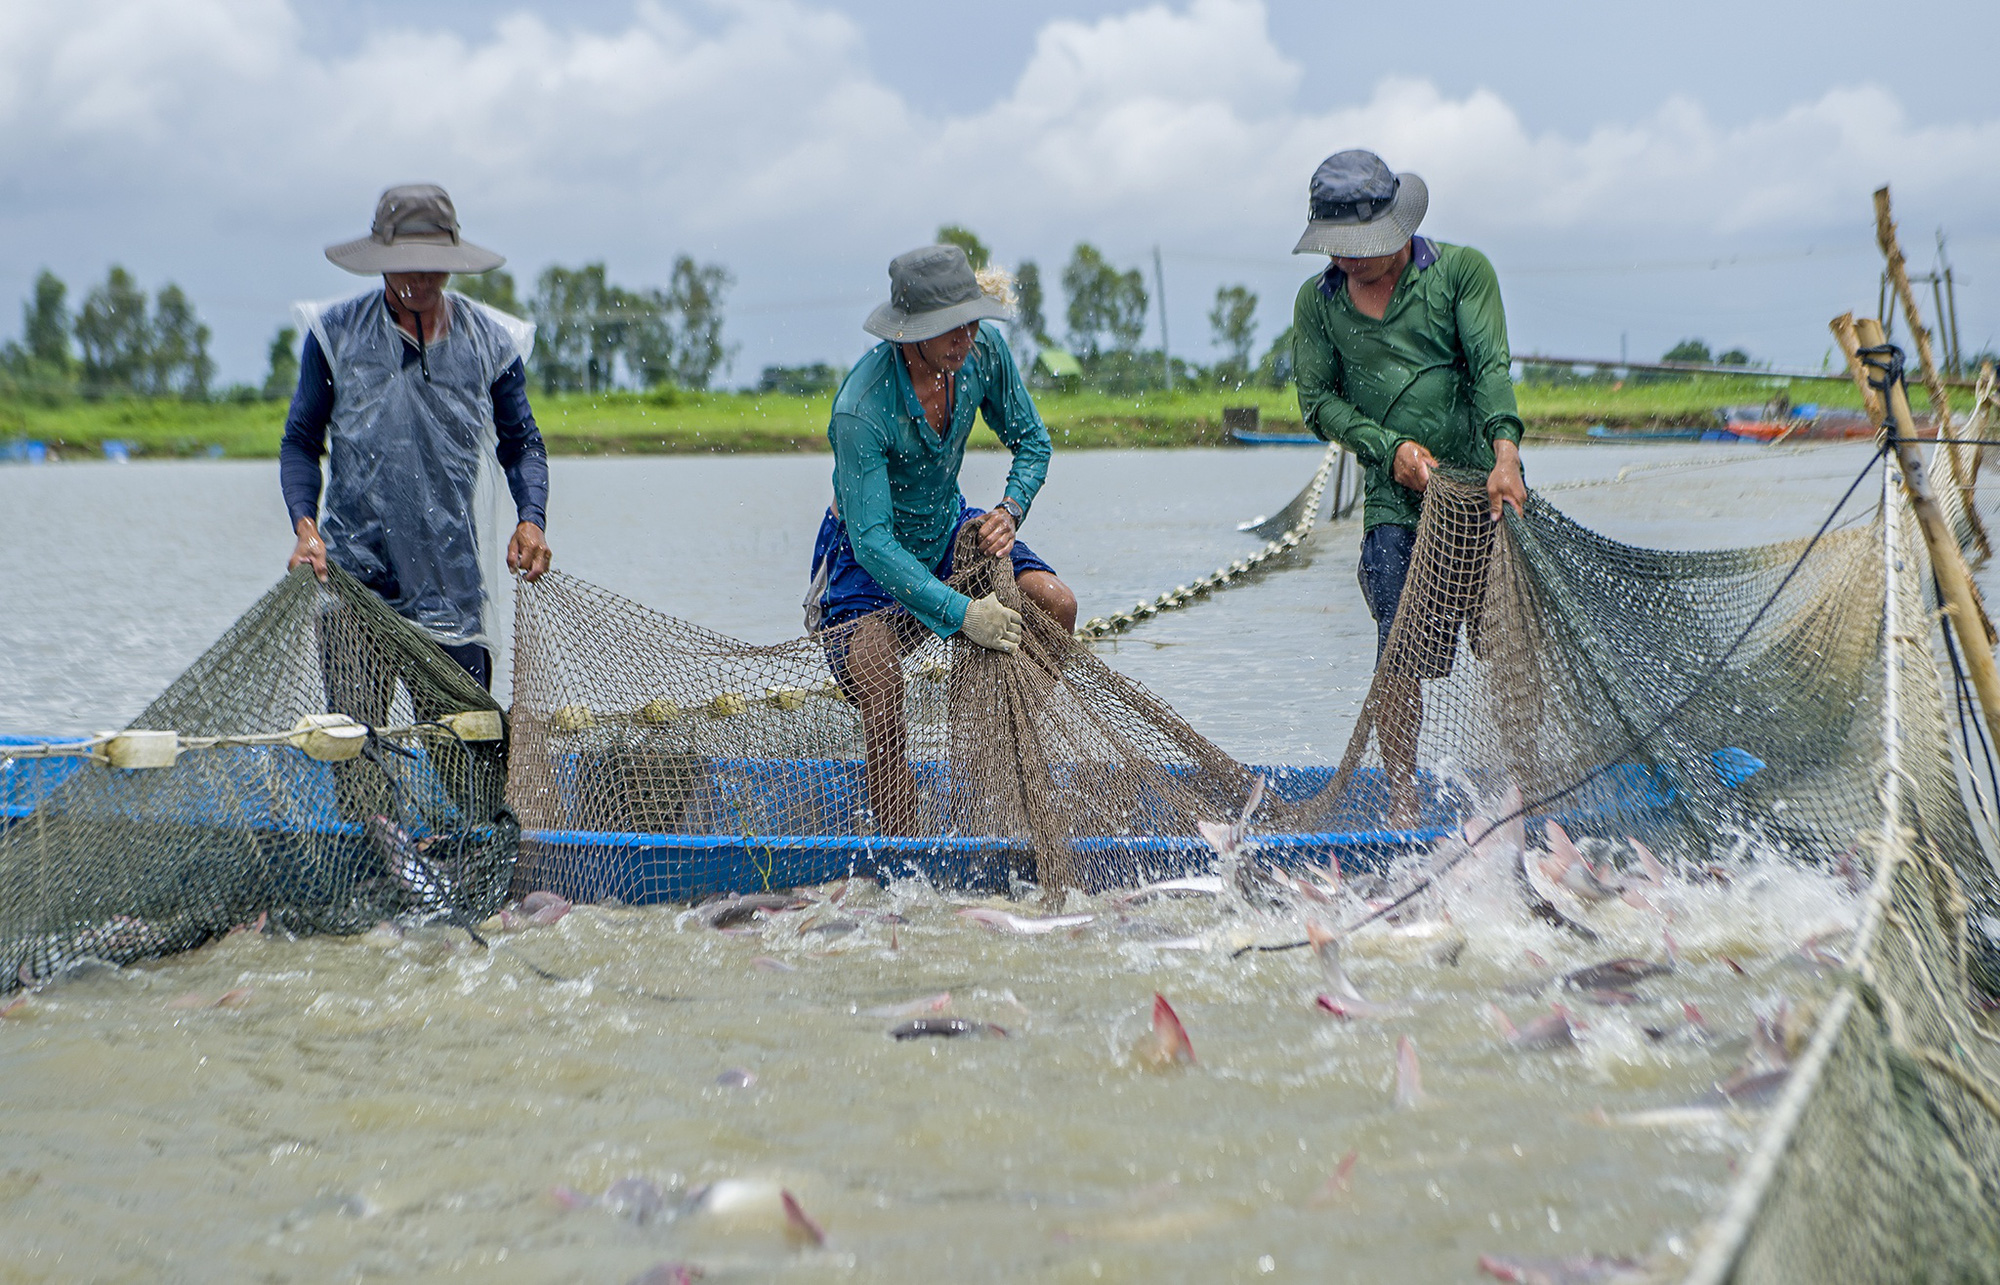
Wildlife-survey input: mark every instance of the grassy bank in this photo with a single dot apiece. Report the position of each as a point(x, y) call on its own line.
point(691, 423)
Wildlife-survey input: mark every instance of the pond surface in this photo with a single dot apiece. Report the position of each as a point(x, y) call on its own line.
point(404, 1105)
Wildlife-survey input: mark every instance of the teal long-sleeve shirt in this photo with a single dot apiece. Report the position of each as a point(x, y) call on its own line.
point(895, 479)
point(1432, 370)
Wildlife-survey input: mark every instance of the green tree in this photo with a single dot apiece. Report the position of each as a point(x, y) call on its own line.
point(1689, 350)
point(1107, 308)
point(495, 289)
point(114, 336)
point(1734, 357)
point(681, 342)
point(1234, 322)
point(283, 376)
point(1275, 367)
point(816, 380)
point(967, 240)
point(577, 334)
point(45, 325)
point(178, 361)
point(1028, 322)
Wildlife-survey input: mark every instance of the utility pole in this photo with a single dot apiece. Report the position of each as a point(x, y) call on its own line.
point(1160, 289)
point(1946, 299)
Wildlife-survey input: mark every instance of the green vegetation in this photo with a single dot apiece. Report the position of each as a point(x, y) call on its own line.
point(672, 422)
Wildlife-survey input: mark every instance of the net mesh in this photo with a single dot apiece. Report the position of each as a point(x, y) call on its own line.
point(1705, 700)
point(1882, 1160)
point(869, 745)
point(117, 864)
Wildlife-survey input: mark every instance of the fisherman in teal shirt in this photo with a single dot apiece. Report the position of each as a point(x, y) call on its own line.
point(899, 427)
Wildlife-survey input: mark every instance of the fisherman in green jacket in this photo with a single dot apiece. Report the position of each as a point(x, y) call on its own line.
point(1400, 349)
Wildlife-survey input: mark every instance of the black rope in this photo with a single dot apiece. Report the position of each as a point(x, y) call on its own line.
point(1638, 741)
point(1969, 725)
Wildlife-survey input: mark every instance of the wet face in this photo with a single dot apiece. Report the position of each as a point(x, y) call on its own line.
point(946, 353)
point(416, 291)
point(1369, 271)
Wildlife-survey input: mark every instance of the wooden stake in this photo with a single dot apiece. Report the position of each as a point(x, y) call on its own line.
point(1871, 401)
point(1899, 277)
point(1963, 612)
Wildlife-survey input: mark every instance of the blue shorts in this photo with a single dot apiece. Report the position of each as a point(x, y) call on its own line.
point(852, 593)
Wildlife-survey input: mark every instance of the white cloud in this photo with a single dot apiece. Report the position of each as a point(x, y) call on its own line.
point(206, 134)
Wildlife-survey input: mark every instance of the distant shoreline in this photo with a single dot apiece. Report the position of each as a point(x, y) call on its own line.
point(626, 423)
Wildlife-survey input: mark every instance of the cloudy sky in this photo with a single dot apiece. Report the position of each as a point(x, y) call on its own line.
point(1637, 173)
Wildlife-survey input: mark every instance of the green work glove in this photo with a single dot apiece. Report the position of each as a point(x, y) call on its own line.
point(992, 624)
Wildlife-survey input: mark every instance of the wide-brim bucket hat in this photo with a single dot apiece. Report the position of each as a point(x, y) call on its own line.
point(931, 290)
point(1359, 209)
point(416, 230)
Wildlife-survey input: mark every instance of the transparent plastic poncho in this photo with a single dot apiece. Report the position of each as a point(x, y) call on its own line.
point(412, 494)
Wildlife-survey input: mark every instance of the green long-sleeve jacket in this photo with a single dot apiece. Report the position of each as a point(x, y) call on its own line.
point(895, 481)
point(1433, 370)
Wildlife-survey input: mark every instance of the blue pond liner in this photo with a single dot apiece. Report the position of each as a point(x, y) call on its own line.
point(821, 797)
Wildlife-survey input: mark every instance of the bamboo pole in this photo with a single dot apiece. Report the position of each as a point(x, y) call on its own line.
point(1899, 277)
point(1961, 596)
point(1871, 401)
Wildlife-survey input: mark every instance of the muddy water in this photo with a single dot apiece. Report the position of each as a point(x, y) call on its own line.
point(401, 1106)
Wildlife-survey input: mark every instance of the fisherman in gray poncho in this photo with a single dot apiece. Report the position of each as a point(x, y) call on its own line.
point(421, 392)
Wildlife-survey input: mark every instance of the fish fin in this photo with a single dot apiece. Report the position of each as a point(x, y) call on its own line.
point(1693, 1015)
point(1636, 899)
point(1673, 950)
point(1250, 805)
point(1409, 1074)
point(1537, 960)
point(1562, 846)
point(1318, 936)
point(1220, 837)
point(799, 1225)
point(1167, 1028)
point(1501, 1022)
point(1339, 1182)
point(1656, 874)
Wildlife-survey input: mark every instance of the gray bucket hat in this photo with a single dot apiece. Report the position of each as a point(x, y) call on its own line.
point(1359, 209)
point(416, 230)
point(931, 290)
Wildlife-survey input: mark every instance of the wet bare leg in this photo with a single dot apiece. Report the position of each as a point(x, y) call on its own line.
point(1051, 595)
point(875, 682)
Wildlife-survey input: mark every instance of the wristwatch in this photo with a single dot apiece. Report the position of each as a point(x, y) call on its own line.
point(1014, 511)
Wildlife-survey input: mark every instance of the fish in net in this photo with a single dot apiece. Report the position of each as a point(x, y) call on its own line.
point(325, 767)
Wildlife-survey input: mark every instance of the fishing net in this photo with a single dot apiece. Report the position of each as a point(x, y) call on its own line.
point(656, 760)
point(321, 768)
point(1703, 701)
point(1783, 702)
point(1882, 1159)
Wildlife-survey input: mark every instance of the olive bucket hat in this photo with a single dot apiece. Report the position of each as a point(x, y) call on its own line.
point(416, 230)
point(931, 290)
point(1359, 209)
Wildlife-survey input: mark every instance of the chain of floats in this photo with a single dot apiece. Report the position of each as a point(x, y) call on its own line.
point(1118, 622)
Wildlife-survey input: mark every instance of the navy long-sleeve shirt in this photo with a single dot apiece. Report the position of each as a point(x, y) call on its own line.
point(520, 451)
